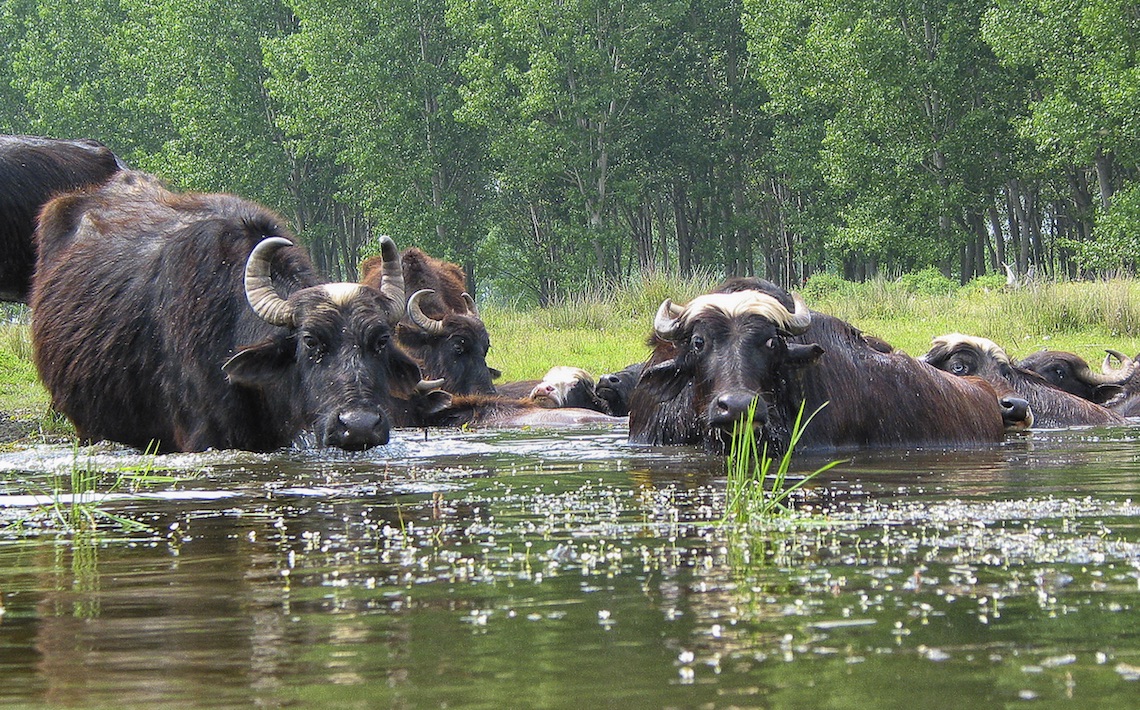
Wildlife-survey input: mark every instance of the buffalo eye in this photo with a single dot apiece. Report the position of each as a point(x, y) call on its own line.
point(379, 342)
point(770, 343)
point(459, 346)
point(1059, 374)
point(697, 342)
point(314, 348)
point(958, 367)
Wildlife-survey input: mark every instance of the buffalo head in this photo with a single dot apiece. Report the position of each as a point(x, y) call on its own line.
point(1071, 372)
point(720, 353)
point(452, 347)
point(333, 360)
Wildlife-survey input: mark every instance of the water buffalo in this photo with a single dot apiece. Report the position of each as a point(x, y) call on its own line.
point(1052, 407)
point(191, 321)
point(1117, 388)
point(614, 388)
point(32, 170)
point(751, 341)
point(441, 329)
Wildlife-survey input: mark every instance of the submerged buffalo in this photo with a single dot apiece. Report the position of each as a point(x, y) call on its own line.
point(32, 171)
point(753, 342)
point(1117, 388)
point(1052, 407)
point(614, 388)
point(192, 321)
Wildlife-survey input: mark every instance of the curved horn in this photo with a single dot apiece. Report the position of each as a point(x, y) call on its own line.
point(800, 319)
point(417, 315)
point(1108, 376)
point(392, 277)
point(667, 322)
point(470, 304)
point(425, 386)
point(1125, 361)
point(259, 291)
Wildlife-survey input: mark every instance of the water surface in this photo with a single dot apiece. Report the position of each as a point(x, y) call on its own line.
point(569, 569)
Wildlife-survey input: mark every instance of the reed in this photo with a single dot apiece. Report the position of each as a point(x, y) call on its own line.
point(74, 501)
point(754, 489)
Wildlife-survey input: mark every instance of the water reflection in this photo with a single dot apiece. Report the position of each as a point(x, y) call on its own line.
point(484, 567)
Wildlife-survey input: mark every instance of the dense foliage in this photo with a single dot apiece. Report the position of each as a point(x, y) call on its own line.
point(553, 145)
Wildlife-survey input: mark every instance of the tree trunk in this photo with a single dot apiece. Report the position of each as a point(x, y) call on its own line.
point(1104, 178)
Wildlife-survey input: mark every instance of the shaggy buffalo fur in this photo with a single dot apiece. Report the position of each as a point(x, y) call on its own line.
point(142, 331)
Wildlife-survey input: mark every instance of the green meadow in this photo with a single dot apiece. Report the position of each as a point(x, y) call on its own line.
point(606, 330)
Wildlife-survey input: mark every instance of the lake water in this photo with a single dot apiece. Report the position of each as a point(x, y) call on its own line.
point(496, 569)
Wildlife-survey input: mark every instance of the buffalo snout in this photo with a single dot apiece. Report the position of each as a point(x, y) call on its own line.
point(1015, 413)
point(356, 430)
point(727, 408)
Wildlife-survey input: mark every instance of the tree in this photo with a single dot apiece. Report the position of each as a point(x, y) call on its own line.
point(373, 86)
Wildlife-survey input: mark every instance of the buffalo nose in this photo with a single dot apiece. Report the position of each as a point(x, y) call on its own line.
point(610, 379)
point(1015, 413)
point(356, 430)
point(727, 408)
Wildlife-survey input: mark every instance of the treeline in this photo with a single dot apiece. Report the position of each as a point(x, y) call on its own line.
point(556, 145)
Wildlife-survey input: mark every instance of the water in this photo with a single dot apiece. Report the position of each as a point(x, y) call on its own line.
point(537, 569)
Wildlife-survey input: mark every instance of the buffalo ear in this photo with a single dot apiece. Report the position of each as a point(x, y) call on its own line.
point(663, 381)
point(260, 364)
point(430, 403)
point(1106, 392)
point(495, 373)
point(403, 372)
point(800, 355)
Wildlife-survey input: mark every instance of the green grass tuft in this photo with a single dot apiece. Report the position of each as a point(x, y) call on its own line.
point(747, 497)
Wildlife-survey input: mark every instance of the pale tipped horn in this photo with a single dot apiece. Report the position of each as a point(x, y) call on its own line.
point(800, 319)
point(392, 277)
point(1108, 376)
point(1125, 361)
point(667, 322)
point(470, 304)
point(416, 313)
point(425, 386)
point(259, 291)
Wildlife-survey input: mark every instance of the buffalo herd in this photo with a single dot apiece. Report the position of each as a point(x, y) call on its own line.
point(189, 321)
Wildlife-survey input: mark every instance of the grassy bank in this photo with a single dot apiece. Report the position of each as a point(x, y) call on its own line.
point(606, 330)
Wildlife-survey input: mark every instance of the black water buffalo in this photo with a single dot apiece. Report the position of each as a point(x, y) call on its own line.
point(614, 388)
point(1052, 407)
point(32, 171)
point(191, 321)
point(1117, 388)
point(751, 341)
point(441, 329)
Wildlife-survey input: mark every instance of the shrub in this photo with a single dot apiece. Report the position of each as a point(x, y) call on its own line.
point(928, 282)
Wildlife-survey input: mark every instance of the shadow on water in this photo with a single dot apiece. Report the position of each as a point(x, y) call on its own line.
point(570, 568)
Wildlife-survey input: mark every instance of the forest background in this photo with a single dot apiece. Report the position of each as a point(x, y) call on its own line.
point(551, 146)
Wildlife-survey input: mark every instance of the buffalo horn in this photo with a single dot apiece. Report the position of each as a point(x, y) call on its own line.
point(470, 304)
point(425, 386)
point(417, 315)
point(1127, 365)
point(800, 319)
point(392, 277)
point(667, 321)
point(259, 291)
